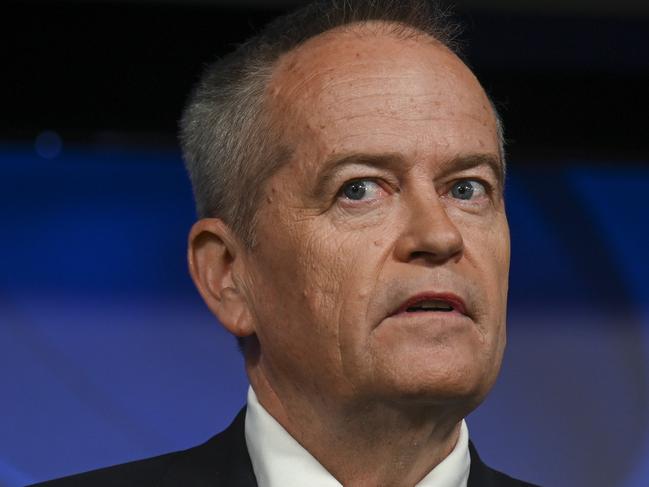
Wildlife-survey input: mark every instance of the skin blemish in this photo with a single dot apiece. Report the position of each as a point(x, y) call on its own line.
point(270, 195)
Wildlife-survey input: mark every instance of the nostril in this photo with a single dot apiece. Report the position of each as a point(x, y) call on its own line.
point(420, 255)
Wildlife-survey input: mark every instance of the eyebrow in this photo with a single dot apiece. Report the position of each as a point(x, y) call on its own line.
point(331, 167)
point(470, 161)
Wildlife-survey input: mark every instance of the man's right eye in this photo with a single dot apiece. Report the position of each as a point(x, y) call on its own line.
point(361, 189)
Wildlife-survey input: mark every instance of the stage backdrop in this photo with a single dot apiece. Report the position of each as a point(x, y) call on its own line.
point(107, 353)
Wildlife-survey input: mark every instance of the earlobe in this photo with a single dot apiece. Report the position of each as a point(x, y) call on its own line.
point(213, 253)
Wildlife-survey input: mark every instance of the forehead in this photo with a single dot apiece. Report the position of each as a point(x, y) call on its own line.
point(366, 89)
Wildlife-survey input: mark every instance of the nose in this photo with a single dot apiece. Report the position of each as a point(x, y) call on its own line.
point(429, 235)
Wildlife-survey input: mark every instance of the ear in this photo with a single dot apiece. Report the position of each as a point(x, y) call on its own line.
point(214, 253)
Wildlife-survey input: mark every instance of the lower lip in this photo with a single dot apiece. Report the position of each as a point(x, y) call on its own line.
point(431, 315)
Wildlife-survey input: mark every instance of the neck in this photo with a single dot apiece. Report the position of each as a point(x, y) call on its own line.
point(364, 442)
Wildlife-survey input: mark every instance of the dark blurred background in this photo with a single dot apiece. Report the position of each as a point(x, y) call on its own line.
point(107, 353)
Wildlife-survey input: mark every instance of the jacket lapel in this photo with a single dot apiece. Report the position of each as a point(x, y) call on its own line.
point(481, 475)
point(222, 461)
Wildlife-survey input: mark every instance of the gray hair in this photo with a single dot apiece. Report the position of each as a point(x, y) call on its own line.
point(229, 146)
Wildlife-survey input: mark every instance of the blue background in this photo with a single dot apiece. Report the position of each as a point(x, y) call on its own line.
point(107, 353)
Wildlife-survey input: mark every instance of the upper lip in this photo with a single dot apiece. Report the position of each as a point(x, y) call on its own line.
point(452, 299)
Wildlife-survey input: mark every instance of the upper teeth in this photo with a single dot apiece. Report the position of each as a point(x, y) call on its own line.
point(432, 304)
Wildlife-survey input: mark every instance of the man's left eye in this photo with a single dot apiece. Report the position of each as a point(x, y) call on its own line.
point(467, 189)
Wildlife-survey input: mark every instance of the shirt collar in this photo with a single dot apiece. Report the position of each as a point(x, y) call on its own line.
point(278, 460)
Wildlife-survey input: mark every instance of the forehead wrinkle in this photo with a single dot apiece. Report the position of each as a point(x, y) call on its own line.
point(423, 118)
point(309, 87)
point(296, 63)
point(361, 84)
point(309, 61)
point(393, 100)
point(388, 93)
point(414, 89)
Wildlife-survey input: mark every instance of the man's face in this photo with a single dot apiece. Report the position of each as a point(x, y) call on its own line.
point(383, 247)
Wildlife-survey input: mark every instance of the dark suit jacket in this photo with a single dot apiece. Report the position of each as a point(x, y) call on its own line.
point(222, 461)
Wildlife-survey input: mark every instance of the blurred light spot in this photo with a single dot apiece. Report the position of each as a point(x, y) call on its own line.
point(48, 144)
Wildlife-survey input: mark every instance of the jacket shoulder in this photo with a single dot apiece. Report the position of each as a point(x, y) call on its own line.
point(145, 473)
point(221, 461)
point(481, 475)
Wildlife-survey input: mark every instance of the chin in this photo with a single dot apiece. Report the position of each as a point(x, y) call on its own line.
point(449, 377)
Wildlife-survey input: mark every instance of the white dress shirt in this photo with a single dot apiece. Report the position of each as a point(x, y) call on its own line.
point(278, 460)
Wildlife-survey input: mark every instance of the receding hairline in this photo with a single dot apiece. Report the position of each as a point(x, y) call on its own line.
point(360, 30)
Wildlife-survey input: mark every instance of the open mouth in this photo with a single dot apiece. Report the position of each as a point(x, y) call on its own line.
point(429, 305)
point(433, 303)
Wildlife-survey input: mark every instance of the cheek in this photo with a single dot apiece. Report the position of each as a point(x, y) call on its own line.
point(487, 250)
point(305, 274)
point(337, 281)
point(488, 238)
point(496, 263)
point(344, 271)
point(498, 288)
point(500, 245)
